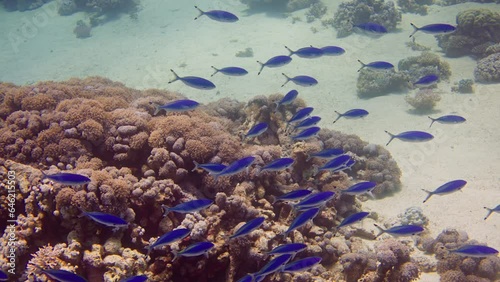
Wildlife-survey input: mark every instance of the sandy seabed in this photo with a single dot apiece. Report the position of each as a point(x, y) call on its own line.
point(40, 45)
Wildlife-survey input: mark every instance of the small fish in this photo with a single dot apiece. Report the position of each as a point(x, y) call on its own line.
point(3, 276)
point(326, 154)
point(235, 167)
point(332, 51)
point(256, 130)
point(67, 178)
point(300, 115)
point(188, 207)
point(294, 195)
point(490, 211)
point(308, 122)
point(212, 168)
point(334, 163)
point(62, 275)
point(246, 278)
point(447, 188)
point(378, 65)
point(301, 220)
point(352, 114)
point(232, 71)
point(177, 106)
point(275, 62)
point(372, 28)
point(306, 52)
point(411, 136)
point(448, 119)
point(278, 164)
point(402, 230)
point(169, 237)
point(287, 99)
point(106, 219)
point(314, 200)
point(353, 218)
point(273, 265)
point(302, 80)
point(426, 81)
point(194, 81)
point(477, 251)
point(301, 264)
point(194, 250)
point(434, 29)
point(306, 133)
point(248, 227)
point(360, 188)
point(218, 15)
point(137, 278)
point(291, 248)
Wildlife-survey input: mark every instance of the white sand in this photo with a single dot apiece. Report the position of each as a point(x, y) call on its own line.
point(140, 53)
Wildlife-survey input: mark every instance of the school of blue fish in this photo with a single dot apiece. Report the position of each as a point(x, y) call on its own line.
point(304, 202)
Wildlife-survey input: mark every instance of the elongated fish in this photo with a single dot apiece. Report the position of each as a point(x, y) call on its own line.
point(62, 275)
point(287, 99)
point(447, 188)
point(177, 106)
point(67, 178)
point(246, 278)
point(300, 115)
point(194, 81)
point(426, 81)
point(302, 80)
point(308, 122)
point(232, 71)
point(334, 163)
point(218, 15)
point(275, 62)
point(273, 265)
point(477, 251)
point(235, 167)
point(3, 276)
point(212, 168)
point(411, 136)
point(402, 230)
point(188, 207)
point(106, 219)
point(256, 130)
point(301, 264)
point(326, 154)
point(371, 28)
point(332, 51)
point(353, 218)
point(293, 195)
point(291, 248)
point(248, 227)
point(306, 52)
point(306, 134)
point(137, 278)
point(314, 200)
point(448, 119)
point(352, 114)
point(378, 65)
point(360, 188)
point(168, 238)
point(434, 29)
point(278, 164)
point(301, 220)
point(194, 250)
point(490, 211)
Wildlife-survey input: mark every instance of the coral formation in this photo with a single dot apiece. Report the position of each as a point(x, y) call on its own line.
point(23, 5)
point(375, 83)
point(423, 100)
point(425, 64)
point(477, 30)
point(82, 30)
point(464, 86)
point(488, 69)
point(415, 6)
point(316, 11)
point(362, 11)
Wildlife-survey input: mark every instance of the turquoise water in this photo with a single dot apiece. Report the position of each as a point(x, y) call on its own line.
point(140, 48)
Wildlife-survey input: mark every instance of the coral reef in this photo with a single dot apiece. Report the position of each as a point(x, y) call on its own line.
point(316, 11)
point(464, 86)
point(361, 11)
point(23, 5)
point(82, 30)
point(376, 83)
point(423, 100)
point(488, 69)
point(415, 6)
point(279, 5)
point(477, 30)
point(425, 64)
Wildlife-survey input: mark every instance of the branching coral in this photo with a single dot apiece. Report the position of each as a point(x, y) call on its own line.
point(424, 100)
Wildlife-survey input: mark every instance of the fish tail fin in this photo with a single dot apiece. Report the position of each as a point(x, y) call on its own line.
point(363, 65)
point(289, 50)
point(261, 67)
point(370, 194)
point(216, 71)
point(382, 231)
point(201, 12)
point(490, 211)
point(287, 79)
point(338, 117)
point(196, 165)
point(415, 29)
point(165, 210)
point(392, 137)
point(429, 194)
point(308, 158)
point(433, 120)
point(277, 106)
point(175, 78)
point(44, 175)
point(315, 170)
point(176, 255)
point(157, 110)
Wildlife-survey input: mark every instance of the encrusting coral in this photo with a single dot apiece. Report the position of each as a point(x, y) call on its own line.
point(138, 162)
